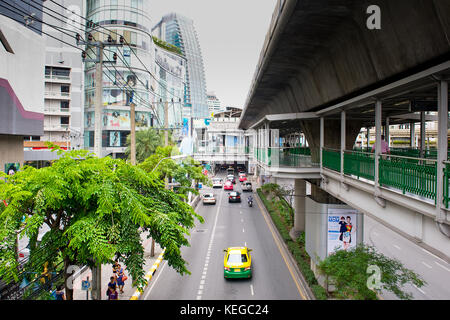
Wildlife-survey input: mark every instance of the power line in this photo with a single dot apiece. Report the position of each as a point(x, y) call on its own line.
point(143, 101)
point(30, 26)
point(99, 26)
point(82, 30)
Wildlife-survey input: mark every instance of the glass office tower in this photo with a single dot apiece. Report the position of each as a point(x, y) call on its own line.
point(179, 31)
point(131, 73)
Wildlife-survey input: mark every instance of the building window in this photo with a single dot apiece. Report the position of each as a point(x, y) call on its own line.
point(65, 89)
point(64, 105)
point(64, 122)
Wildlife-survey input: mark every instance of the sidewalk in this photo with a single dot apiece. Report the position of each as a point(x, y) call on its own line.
point(128, 290)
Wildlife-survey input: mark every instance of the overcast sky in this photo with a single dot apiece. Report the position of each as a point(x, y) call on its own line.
point(231, 35)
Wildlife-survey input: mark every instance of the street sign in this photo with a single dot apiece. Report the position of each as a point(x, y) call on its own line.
point(85, 285)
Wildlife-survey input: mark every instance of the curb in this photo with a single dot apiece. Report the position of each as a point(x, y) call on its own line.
point(148, 277)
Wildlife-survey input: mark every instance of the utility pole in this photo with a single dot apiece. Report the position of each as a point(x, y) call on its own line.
point(166, 123)
point(166, 143)
point(133, 132)
point(98, 60)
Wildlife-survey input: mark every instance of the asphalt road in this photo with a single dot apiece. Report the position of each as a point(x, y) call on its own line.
point(226, 225)
point(434, 270)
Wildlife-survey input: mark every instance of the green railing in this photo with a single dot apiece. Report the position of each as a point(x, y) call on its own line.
point(306, 151)
point(331, 159)
point(446, 183)
point(359, 164)
point(418, 178)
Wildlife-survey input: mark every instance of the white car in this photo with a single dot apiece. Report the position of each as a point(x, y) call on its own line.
point(208, 198)
point(217, 183)
point(247, 186)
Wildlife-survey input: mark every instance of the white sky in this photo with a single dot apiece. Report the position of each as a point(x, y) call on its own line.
point(231, 35)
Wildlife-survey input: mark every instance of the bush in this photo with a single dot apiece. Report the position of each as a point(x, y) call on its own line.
point(319, 292)
point(348, 271)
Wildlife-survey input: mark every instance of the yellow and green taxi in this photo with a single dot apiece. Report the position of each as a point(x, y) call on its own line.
point(237, 263)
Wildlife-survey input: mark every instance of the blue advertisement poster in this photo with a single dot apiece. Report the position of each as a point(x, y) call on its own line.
point(341, 229)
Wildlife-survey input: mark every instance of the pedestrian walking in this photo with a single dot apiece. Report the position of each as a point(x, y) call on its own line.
point(113, 294)
point(59, 294)
point(115, 267)
point(121, 278)
point(384, 146)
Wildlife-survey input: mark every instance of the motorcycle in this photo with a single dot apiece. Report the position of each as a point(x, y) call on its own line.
point(250, 202)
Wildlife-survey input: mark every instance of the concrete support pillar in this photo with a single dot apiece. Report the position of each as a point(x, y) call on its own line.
point(386, 132)
point(299, 208)
point(343, 136)
point(368, 138)
point(412, 134)
point(322, 138)
point(378, 115)
point(442, 148)
point(422, 134)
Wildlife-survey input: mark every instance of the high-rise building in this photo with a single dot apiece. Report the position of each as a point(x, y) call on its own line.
point(63, 77)
point(180, 32)
point(213, 104)
point(22, 57)
point(170, 69)
point(130, 80)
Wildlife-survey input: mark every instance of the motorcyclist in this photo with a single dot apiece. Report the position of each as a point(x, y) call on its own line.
point(250, 199)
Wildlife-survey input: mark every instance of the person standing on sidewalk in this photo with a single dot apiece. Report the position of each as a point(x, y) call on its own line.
point(120, 278)
point(112, 284)
point(113, 294)
point(115, 268)
point(59, 294)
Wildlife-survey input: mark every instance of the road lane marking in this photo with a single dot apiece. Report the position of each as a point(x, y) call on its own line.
point(426, 264)
point(424, 250)
point(440, 265)
point(205, 269)
point(283, 255)
point(423, 292)
point(251, 289)
point(243, 230)
point(396, 246)
point(156, 279)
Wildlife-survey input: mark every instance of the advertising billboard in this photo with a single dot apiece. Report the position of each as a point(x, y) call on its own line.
point(114, 139)
point(116, 118)
point(341, 229)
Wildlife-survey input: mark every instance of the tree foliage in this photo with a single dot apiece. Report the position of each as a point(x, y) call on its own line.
point(96, 210)
point(348, 272)
point(184, 172)
point(147, 141)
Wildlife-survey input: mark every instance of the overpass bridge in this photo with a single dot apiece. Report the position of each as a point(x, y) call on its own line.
point(324, 74)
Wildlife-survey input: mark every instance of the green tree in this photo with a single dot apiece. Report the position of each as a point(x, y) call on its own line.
point(146, 143)
point(185, 172)
point(96, 210)
point(347, 270)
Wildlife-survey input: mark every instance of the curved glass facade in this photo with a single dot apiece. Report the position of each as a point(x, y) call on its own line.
point(130, 19)
point(179, 31)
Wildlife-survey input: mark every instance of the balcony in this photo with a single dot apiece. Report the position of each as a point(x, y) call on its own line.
point(293, 162)
point(57, 111)
point(57, 78)
point(57, 95)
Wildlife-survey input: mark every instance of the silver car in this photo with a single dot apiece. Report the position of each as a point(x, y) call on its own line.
point(247, 186)
point(208, 198)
